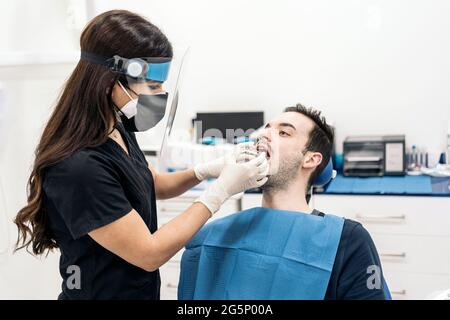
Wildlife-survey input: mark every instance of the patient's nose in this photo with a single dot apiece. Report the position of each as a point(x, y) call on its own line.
point(266, 135)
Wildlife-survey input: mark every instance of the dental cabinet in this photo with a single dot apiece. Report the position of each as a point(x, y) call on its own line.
point(411, 233)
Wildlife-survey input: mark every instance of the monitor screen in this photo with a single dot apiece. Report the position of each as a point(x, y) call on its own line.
point(227, 125)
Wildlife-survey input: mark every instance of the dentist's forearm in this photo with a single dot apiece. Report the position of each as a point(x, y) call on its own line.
point(169, 185)
point(173, 236)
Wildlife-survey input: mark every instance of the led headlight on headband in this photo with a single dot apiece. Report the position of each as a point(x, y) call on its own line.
point(147, 68)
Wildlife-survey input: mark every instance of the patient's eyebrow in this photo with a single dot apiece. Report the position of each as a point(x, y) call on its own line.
point(286, 124)
point(282, 124)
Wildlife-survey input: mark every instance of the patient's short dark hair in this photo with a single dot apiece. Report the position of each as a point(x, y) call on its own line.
point(321, 137)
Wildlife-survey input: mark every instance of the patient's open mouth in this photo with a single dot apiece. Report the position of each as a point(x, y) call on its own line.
point(262, 148)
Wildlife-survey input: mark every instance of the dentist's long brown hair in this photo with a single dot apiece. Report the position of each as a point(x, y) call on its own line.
point(84, 112)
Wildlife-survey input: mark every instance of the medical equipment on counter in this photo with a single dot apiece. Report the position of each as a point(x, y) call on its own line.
point(441, 170)
point(416, 160)
point(420, 162)
point(411, 159)
point(367, 156)
point(448, 146)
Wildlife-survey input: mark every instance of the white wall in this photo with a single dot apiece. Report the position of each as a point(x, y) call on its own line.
point(31, 31)
point(375, 66)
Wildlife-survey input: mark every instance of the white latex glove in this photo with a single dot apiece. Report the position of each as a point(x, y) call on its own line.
point(235, 178)
point(212, 169)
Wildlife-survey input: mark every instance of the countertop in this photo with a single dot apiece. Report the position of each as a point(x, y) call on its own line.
point(389, 185)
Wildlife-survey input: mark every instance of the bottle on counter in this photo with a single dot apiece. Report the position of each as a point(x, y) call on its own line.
point(448, 146)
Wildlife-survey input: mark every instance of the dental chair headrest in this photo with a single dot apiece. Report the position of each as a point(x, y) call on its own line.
point(325, 176)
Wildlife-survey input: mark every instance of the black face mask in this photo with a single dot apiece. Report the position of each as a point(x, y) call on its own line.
point(143, 113)
point(150, 110)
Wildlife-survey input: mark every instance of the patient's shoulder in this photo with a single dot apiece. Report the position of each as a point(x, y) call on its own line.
point(355, 230)
point(356, 240)
point(354, 233)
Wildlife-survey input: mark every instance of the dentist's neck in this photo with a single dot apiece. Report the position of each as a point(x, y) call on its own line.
point(291, 198)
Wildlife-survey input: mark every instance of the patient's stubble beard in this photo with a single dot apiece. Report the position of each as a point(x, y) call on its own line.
point(286, 174)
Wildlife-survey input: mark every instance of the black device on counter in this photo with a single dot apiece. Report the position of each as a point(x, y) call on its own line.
point(209, 124)
point(368, 156)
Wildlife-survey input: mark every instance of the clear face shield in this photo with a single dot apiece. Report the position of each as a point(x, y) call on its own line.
point(151, 85)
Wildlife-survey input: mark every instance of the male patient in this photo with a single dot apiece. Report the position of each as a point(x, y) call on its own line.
point(284, 249)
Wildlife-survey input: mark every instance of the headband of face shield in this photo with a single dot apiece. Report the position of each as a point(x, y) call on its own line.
point(144, 69)
point(148, 109)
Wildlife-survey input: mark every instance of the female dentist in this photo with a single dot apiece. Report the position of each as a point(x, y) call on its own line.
point(91, 192)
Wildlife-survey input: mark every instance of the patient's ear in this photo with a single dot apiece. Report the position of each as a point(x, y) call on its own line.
point(312, 160)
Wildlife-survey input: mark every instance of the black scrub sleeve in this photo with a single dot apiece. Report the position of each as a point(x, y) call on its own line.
point(86, 191)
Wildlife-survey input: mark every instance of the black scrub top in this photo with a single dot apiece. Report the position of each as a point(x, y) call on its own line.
point(90, 189)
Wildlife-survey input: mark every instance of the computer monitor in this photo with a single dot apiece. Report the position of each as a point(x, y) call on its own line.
point(229, 126)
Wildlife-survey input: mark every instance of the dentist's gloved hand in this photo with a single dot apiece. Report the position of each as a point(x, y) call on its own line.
point(235, 178)
point(212, 169)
